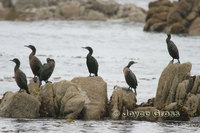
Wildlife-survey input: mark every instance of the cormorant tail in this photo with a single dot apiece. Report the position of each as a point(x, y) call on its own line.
point(28, 91)
point(179, 61)
point(135, 91)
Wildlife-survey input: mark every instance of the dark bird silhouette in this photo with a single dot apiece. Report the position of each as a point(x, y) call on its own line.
point(91, 62)
point(172, 49)
point(130, 77)
point(46, 70)
point(20, 77)
point(34, 62)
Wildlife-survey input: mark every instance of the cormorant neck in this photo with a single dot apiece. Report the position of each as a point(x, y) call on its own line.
point(128, 65)
point(168, 38)
point(90, 52)
point(17, 66)
point(33, 51)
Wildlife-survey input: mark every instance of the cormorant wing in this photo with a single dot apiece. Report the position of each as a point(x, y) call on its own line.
point(96, 63)
point(132, 77)
point(47, 68)
point(174, 48)
point(37, 61)
point(22, 78)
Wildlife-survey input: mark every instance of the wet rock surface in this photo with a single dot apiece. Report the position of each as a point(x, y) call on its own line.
point(177, 17)
point(94, 91)
point(19, 105)
point(32, 10)
point(178, 90)
point(122, 99)
point(169, 80)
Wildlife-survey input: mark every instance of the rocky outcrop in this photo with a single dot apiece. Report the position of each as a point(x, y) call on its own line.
point(68, 101)
point(94, 91)
point(31, 10)
point(61, 100)
point(83, 98)
point(121, 100)
point(19, 105)
point(177, 17)
point(169, 81)
point(177, 98)
point(178, 87)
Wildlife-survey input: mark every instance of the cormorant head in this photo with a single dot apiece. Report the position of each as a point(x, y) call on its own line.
point(51, 61)
point(48, 60)
point(131, 63)
point(89, 49)
point(16, 61)
point(31, 47)
point(169, 35)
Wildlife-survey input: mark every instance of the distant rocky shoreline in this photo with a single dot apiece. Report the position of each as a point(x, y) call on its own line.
point(181, 17)
point(33, 10)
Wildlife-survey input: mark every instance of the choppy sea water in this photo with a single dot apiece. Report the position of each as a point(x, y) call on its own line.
point(115, 44)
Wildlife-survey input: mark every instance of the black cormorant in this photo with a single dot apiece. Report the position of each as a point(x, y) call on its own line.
point(46, 70)
point(172, 49)
point(20, 77)
point(130, 77)
point(34, 62)
point(91, 62)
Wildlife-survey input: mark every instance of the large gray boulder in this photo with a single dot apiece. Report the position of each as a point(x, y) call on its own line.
point(130, 12)
point(121, 101)
point(69, 9)
point(61, 99)
point(108, 7)
point(67, 99)
point(94, 91)
point(21, 5)
point(19, 105)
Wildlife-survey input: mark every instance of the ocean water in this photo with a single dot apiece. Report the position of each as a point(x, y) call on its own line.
point(115, 44)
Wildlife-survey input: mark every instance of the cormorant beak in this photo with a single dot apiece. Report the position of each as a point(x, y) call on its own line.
point(11, 60)
point(84, 47)
point(26, 46)
point(134, 62)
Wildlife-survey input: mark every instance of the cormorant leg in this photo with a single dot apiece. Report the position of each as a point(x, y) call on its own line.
point(35, 79)
point(90, 75)
point(40, 84)
point(135, 91)
point(129, 88)
point(20, 90)
point(179, 61)
point(173, 60)
point(48, 81)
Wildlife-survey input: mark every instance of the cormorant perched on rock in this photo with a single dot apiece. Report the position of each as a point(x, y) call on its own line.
point(172, 49)
point(34, 62)
point(20, 77)
point(91, 62)
point(130, 77)
point(46, 70)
